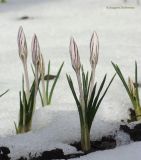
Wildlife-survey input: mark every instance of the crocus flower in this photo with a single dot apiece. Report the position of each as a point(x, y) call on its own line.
point(35, 51)
point(35, 59)
point(76, 64)
point(94, 50)
point(75, 59)
point(41, 65)
point(23, 52)
point(22, 45)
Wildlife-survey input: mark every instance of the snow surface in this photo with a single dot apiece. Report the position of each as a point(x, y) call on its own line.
point(54, 22)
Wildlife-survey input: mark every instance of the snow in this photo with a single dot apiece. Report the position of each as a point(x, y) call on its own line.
point(124, 152)
point(54, 22)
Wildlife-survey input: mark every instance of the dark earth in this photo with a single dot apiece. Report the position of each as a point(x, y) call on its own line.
point(134, 133)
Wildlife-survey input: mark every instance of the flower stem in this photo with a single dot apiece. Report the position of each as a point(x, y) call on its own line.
point(43, 90)
point(36, 83)
point(92, 81)
point(26, 80)
point(85, 138)
point(138, 112)
point(27, 126)
point(85, 133)
point(81, 93)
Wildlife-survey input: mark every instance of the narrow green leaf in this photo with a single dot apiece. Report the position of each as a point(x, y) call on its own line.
point(84, 87)
point(25, 102)
point(41, 97)
point(31, 105)
point(54, 83)
point(92, 96)
point(21, 113)
point(117, 69)
point(92, 110)
point(100, 89)
point(4, 93)
point(136, 84)
point(87, 79)
point(76, 99)
point(33, 70)
point(16, 128)
point(47, 83)
point(105, 91)
point(73, 91)
point(97, 104)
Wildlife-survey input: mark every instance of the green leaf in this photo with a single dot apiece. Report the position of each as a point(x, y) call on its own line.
point(38, 87)
point(25, 102)
point(21, 114)
point(31, 102)
point(73, 91)
point(95, 107)
point(105, 91)
point(27, 107)
point(49, 77)
point(33, 70)
point(92, 97)
point(47, 83)
point(41, 97)
point(4, 93)
point(99, 91)
point(118, 71)
point(92, 110)
point(16, 128)
point(136, 84)
point(85, 86)
point(76, 99)
point(54, 83)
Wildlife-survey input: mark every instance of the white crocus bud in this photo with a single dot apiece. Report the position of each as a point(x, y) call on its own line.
point(76, 64)
point(23, 52)
point(22, 45)
point(35, 51)
point(75, 59)
point(94, 53)
point(131, 87)
point(41, 65)
point(94, 50)
point(35, 59)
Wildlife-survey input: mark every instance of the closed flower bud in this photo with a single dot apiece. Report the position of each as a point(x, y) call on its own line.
point(131, 87)
point(22, 45)
point(75, 59)
point(35, 51)
point(41, 65)
point(94, 50)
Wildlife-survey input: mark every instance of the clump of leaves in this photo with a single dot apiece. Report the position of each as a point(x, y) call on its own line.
point(27, 106)
point(132, 89)
point(90, 98)
point(27, 96)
